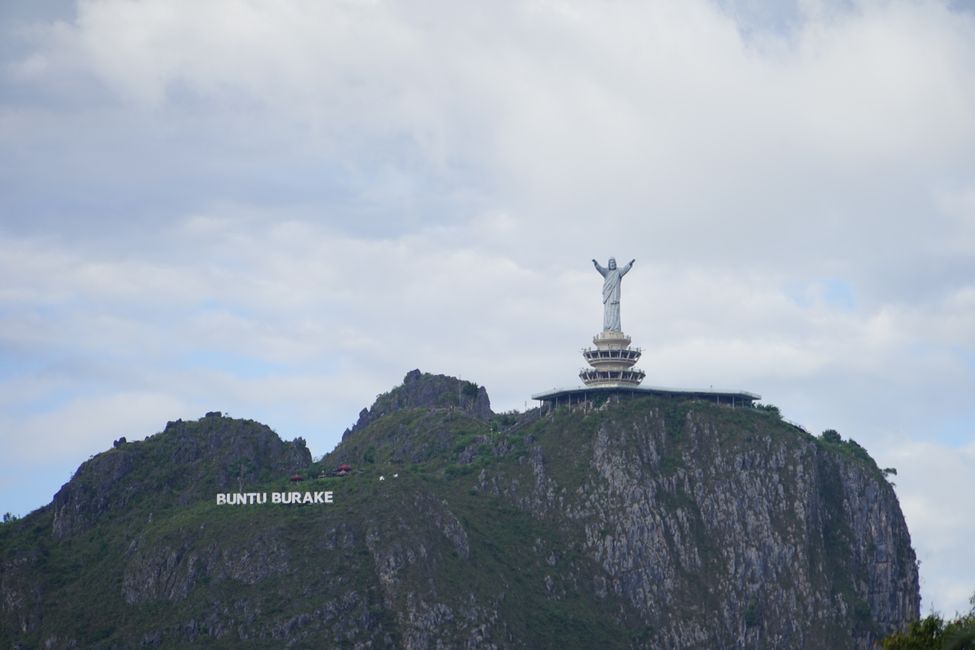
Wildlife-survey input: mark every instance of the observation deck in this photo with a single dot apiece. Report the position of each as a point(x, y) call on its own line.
point(583, 394)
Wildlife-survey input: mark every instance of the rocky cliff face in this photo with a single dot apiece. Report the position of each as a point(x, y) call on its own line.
point(722, 531)
point(424, 390)
point(187, 462)
point(643, 523)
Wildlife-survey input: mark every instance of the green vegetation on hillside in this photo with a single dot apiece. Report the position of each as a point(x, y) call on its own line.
point(935, 633)
point(608, 526)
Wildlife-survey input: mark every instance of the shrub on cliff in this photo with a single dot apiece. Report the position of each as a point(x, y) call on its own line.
point(934, 633)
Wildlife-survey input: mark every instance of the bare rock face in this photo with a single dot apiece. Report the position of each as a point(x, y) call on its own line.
point(171, 569)
point(423, 390)
point(760, 541)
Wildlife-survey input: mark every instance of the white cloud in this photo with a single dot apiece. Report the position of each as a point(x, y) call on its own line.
point(86, 424)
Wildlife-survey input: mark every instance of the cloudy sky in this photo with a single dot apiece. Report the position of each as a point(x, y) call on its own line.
point(278, 209)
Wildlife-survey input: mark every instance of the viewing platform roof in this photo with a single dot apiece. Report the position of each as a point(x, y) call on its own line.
point(581, 393)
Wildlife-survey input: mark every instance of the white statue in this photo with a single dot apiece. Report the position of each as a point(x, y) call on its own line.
point(612, 277)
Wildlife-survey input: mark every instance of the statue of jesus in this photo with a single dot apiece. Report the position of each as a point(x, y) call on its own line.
point(612, 277)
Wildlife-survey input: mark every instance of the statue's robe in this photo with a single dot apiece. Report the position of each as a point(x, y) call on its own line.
point(612, 279)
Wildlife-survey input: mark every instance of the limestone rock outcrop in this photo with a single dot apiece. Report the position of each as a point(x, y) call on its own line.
point(647, 522)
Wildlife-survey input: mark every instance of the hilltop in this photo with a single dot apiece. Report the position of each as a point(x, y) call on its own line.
point(644, 523)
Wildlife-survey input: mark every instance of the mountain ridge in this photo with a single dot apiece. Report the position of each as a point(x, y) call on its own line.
point(674, 524)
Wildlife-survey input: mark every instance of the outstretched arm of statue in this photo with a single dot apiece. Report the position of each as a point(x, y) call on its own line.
point(626, 269)
point(601, 270)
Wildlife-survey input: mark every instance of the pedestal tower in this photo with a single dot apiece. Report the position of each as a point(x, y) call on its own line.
point(612, 359)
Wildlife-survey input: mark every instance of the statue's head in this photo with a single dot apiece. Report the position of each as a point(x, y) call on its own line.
point(612, 263)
